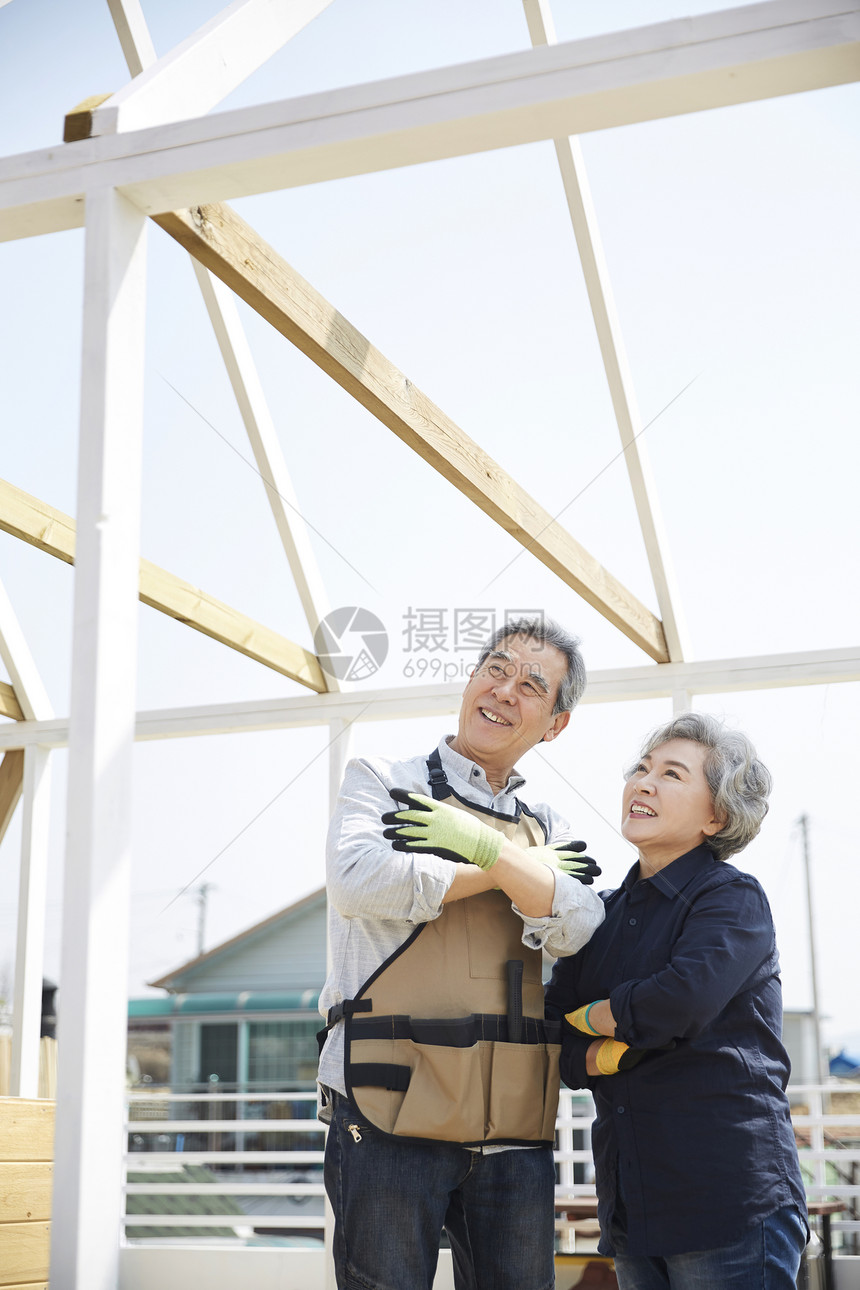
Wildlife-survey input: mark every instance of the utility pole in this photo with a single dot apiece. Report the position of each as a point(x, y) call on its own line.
point(202, 896)
point(821, 1065)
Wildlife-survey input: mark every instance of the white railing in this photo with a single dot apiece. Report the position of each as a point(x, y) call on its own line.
point(820, 1160)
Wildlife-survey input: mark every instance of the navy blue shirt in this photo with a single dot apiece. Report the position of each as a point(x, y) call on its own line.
point(699, 1137)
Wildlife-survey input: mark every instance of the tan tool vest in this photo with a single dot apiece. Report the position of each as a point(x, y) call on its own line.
point(447, 1040)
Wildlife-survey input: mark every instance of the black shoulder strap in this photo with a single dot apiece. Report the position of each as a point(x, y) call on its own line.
point(439, 788)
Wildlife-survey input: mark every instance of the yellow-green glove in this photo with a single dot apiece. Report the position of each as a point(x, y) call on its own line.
point(566, 857)
point(443, 830)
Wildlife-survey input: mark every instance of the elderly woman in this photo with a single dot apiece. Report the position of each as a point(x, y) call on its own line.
point(673, 1017)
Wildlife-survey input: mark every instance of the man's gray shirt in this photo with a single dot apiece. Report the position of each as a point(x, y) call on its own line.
point(377, 896)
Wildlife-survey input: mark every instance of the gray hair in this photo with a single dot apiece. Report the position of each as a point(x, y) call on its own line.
point(738, 781)
point(547, 632)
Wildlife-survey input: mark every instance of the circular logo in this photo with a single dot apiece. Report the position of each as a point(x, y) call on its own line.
point(351, 643)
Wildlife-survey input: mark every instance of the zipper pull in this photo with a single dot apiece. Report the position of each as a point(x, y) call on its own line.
point(353, 1129)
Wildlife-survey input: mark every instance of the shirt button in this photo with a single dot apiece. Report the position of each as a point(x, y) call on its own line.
point(620, 1110)
point(632, 922)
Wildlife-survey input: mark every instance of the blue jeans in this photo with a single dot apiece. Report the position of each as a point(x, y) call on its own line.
point(767, 1257)
point(391, 1200)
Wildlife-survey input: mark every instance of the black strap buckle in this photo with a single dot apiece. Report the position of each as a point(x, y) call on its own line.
point(439, 788)
point(346, 1008)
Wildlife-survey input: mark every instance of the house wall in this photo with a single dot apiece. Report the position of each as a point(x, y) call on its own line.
point(290, 955)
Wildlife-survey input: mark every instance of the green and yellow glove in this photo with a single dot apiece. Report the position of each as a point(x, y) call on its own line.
point(565, 856)
point(432, 826)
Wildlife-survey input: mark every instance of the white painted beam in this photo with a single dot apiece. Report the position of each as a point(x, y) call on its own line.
point(137, 47)
point(253, 406)
point(32, 880)
point(583, 218)
point(241, 369)
point(30, 940)
point(206, 67)
point(94, 964)
point(615, 685)
point(668, 69)
point(23, 673)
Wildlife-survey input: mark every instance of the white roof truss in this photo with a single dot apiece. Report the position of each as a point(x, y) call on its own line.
point(712, 60)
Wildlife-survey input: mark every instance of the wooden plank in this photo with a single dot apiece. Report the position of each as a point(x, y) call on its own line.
point(24, 1252)
point(9, 705)
point(26, 1129)
point(641, 74)
point(25, 1191)
point(78, 123)
point(234, 252)
point(11, 787)
point(50, 530)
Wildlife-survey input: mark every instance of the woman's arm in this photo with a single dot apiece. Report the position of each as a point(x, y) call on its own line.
point(727, 938)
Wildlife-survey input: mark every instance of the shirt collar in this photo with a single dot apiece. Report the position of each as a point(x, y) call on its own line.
point(672, 880)
point(465, 769)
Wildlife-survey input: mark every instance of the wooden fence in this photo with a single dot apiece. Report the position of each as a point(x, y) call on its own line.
point(47, 1066)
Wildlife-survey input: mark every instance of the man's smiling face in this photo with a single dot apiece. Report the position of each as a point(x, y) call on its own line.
point(508, 703)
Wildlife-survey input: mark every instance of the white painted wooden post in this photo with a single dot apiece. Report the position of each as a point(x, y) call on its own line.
point(338, 756)
point(682, 701)
point(93, 999)
point(32, 883)
point(30, 943)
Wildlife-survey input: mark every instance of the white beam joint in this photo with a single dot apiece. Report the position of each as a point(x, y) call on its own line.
point(203, 69)
point(94, 966)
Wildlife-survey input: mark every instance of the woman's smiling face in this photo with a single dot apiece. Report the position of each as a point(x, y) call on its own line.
point(666, 805)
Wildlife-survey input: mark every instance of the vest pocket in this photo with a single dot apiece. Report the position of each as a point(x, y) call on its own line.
point(523, 1092)
point(489, 1091)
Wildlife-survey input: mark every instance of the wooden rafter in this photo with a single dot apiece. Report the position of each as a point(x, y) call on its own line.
point(9, 705)
point(11, 786)
point(236, 254)
point(50, 530)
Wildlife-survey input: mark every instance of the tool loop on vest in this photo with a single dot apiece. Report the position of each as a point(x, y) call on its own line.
point(380, 1075)
point(515, 1000)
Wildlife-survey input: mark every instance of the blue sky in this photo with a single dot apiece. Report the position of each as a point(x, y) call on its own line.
point(731, 242)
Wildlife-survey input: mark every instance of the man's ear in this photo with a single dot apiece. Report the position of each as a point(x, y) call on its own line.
point(559, 722)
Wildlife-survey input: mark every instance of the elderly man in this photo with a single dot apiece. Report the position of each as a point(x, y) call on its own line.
point(439, 1074)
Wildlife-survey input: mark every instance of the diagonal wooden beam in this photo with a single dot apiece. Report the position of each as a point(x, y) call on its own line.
point(50, 530)
point(236, 254)
point(9, 705)
point(11, 786)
